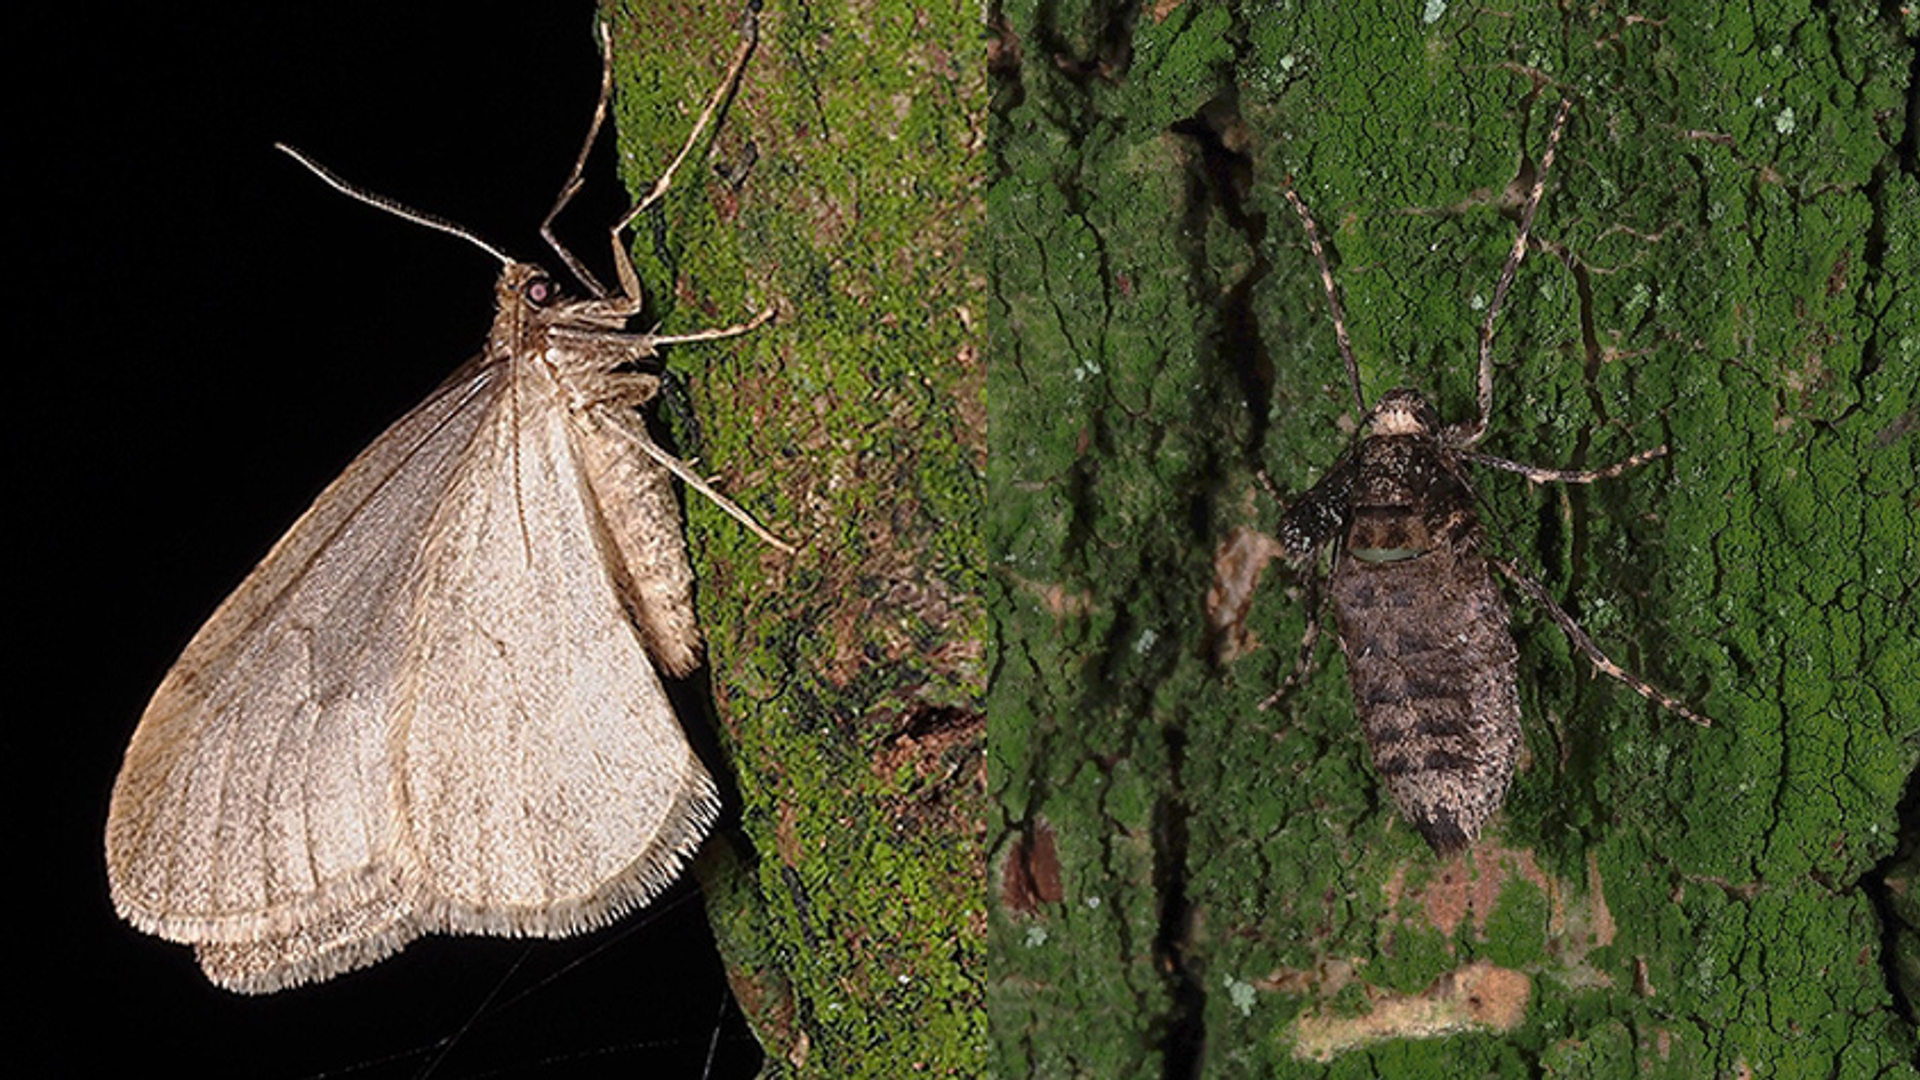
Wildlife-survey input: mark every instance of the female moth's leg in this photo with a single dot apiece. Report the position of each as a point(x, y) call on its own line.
point(1585, 644)
point(1566, 476)
point(627, 424)
point(1303, 666)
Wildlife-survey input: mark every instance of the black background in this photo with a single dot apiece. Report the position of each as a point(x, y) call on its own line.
point(202, 336)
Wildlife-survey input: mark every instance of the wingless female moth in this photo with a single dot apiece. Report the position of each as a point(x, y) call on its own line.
point(433, 706)
point(1421, 622)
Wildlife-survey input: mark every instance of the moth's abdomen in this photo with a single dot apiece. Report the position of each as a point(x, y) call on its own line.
point(1432, 667)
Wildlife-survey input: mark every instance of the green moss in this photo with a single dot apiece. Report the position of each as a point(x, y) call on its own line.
point(842, 190)
point(1409, 957)
point(1517, 929)
point(1710, 276)
point(1605, 1050)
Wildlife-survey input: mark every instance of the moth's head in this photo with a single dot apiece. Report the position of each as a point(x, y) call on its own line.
point(526, 284)
point(1403, 412)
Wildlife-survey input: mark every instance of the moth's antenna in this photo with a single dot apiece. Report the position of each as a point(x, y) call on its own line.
point(391, 206)
point(1478, 428)
point(1333, 296)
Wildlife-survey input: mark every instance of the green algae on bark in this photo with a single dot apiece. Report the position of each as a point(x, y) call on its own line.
point(843, 189)
point(1722, 264)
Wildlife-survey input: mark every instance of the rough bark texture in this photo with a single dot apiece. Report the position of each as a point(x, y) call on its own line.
point(1725, 262)
point(843, 189)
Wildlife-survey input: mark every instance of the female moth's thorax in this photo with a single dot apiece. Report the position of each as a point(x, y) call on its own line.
point(1391, 501)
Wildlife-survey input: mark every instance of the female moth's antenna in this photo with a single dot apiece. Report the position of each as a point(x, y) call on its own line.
point(391, 206)
point(1333, 296)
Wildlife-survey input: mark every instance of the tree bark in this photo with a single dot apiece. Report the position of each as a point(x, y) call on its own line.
point(843, 189)
point(1724, 263)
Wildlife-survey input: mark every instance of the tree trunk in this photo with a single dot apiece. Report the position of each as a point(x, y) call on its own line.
point(1723, 263)
point(843, 190)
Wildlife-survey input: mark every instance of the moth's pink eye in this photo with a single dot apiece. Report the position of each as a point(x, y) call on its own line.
point(540, 292)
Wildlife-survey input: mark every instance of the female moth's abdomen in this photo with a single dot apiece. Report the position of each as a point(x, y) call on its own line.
point(1432, 668)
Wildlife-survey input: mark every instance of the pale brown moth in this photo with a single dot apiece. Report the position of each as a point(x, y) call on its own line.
point(1421, 620)
point(434, 705)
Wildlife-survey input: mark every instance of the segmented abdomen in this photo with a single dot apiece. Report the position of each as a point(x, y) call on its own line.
point(1432, 666)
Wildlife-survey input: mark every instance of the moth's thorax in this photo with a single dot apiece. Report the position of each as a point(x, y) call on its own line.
point(578, 342)
point(1397, 463)
point(1403, 412)
point(1390, 500)
point(1395, 470)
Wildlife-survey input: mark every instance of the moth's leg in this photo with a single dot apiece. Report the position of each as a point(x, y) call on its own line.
point(1566, 476)
point(1333, 296)
point(1314, 519)
point(572, 186)
point(618, 393)
point(1303, 666)
point(625, 391)
point(603, 349)
point(622, 259)
point(1645, 689)
point(1471, 434)
point(628, 425)
point(711, 335)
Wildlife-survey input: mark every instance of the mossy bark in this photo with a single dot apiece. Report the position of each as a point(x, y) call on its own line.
point(843, 189)
point(1724, 263)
